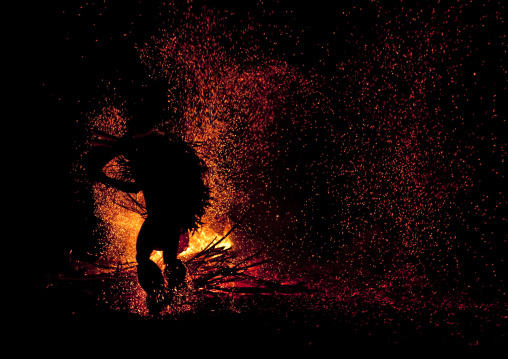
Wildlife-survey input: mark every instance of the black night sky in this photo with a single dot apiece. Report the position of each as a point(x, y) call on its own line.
point(384, 152)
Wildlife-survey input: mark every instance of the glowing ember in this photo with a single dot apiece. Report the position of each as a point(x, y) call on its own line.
point(383, 159)
point(366, 140)
point(229, 105)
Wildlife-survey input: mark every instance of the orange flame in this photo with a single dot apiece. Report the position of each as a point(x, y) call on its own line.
point(202, 238)
point(124, 225)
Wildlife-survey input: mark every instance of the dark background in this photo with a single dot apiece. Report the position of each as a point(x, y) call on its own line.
point(60, 55)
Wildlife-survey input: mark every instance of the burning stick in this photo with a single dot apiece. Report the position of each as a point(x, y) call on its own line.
point(216, 267)
point(216, 264)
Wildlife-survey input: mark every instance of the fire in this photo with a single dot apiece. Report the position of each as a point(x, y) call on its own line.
point(202, 238)
point(198, 241)
point(124, 224)
point(121, 227)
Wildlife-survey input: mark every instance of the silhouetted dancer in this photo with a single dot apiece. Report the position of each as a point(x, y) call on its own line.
point(170, 174)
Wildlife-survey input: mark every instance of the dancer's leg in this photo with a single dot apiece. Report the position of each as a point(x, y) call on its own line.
point(149, 274)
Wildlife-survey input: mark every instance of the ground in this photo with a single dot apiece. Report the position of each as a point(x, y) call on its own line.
point(316, 309)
